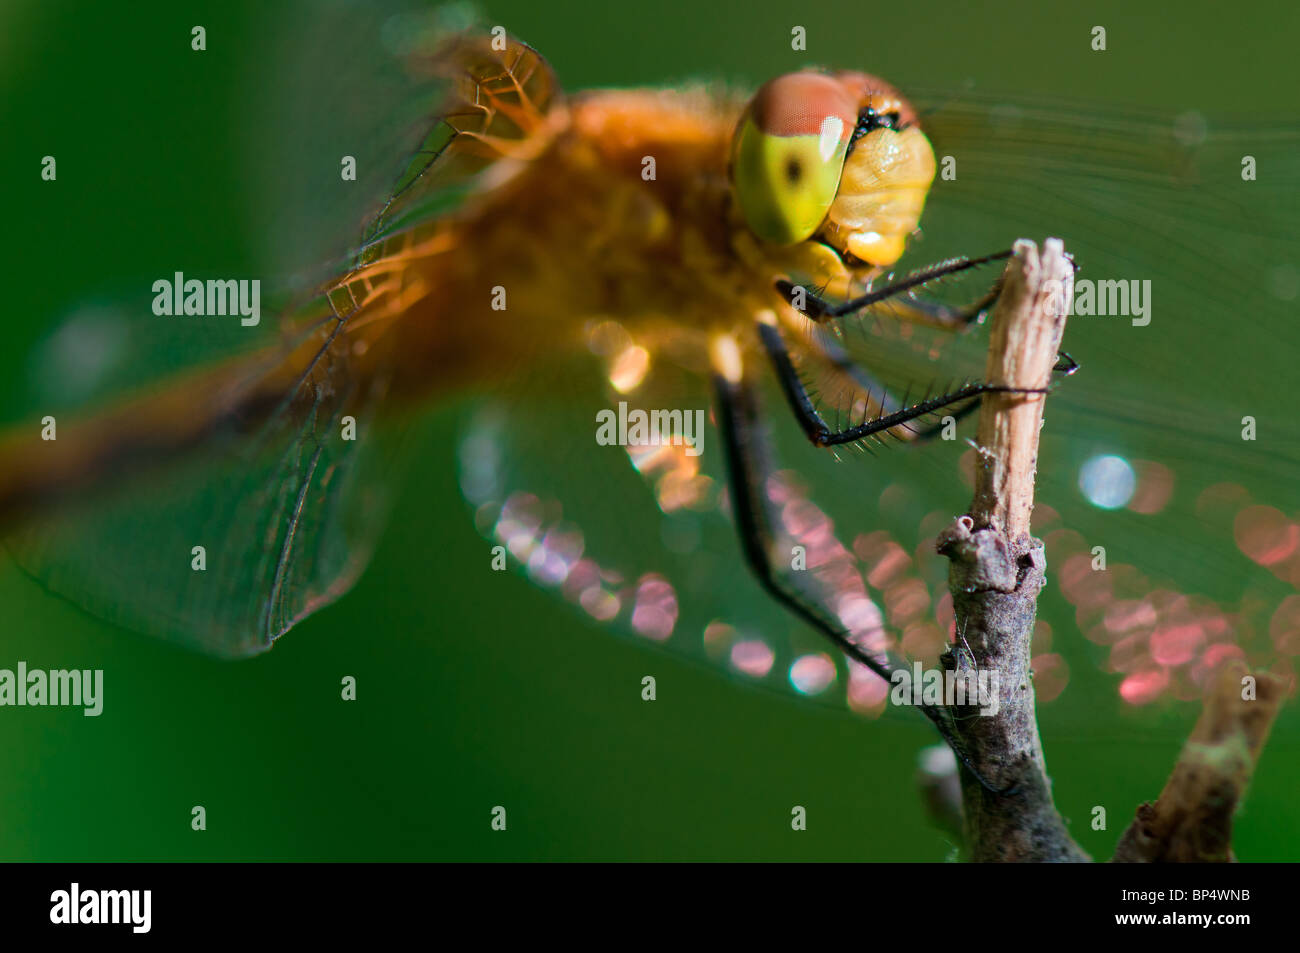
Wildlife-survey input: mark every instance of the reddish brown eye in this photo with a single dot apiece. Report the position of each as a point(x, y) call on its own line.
point(799, 103)
point(789, 153)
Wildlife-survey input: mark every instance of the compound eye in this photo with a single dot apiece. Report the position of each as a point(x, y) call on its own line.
point(788, 154)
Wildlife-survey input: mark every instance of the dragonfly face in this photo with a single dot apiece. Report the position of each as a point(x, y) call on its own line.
point(839, 157)
point(571, 276)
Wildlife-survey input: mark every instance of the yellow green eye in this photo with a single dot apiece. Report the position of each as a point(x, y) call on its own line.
point(788, 155)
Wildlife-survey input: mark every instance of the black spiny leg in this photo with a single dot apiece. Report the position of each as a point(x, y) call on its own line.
point(843, 364)
point(875, 390)
point(748, 464)
point(914, 310)
point(816, 428)
point(820, 310)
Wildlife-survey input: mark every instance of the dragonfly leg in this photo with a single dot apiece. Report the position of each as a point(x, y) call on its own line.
point(1065, 365)
point(816, 428)
point(865, 381)
point(748, 465)
point(926, 313)
point(819, 310)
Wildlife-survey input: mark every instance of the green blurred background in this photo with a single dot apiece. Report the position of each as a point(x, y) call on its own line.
point(476, 689)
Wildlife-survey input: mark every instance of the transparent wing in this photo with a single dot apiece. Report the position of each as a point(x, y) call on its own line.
point(340, 99)
point(500, 92)
point(639, 538)
point(231, 545)
point(237, 477)
point(1175, 447)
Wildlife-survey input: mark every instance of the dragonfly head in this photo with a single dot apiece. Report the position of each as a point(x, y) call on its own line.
point(834, 157)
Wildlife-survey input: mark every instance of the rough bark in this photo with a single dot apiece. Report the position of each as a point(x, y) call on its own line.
point(1191, 822)
point(996, 571)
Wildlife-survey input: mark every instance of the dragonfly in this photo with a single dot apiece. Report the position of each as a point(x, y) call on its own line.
point(805, 269)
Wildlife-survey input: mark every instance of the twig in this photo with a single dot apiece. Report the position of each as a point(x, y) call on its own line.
point(1024, 341)
point(996, 571)
point(1191, 822)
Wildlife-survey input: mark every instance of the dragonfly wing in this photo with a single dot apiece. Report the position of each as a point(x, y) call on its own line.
point(499, 93)
point(641, 538)
point(268, 509)
point(229, 545)
point(362, 103)
point(1165, 464)
point(1159, 199)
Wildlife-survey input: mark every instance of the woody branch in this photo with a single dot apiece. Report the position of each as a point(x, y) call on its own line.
point(996, 571)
